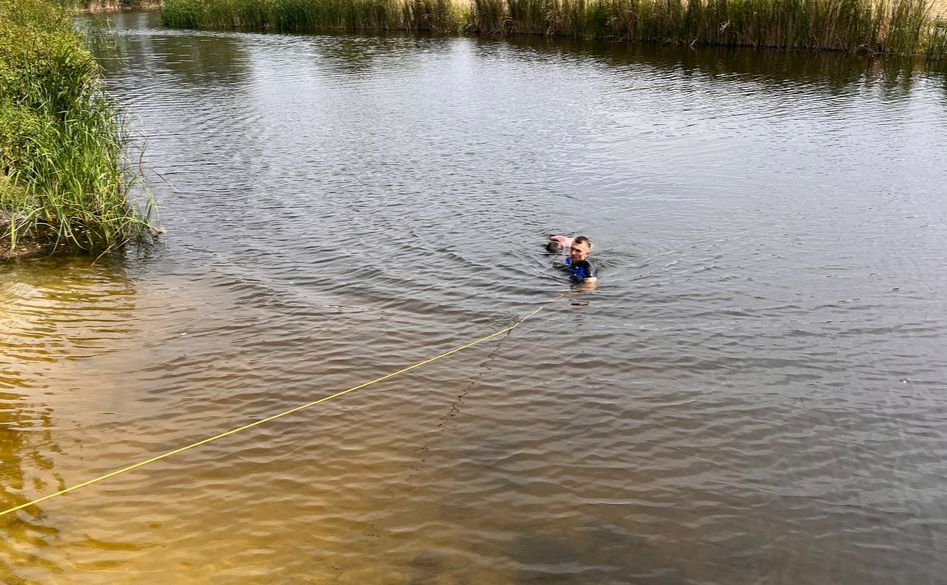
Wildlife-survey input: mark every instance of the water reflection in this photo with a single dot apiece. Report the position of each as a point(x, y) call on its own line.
point(223, 58)
point(347, 54)
point(27, 451)
point(203, 60)
point(192, 59)
point(835, 72)
point(54, 315)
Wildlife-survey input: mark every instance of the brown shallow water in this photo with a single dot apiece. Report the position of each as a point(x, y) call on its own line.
point(754, 394)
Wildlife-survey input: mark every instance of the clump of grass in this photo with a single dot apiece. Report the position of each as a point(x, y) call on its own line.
point(936, 42)
point(311, 15)
point(432, 15)
point(308, 15)
point(185, 14)
point(887, 26)
point(904, 27)
point(63, 172)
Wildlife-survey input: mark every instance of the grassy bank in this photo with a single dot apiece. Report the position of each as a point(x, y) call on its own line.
point(904, 27)
point(313, 15)
point(114, 5)
point(64, 178)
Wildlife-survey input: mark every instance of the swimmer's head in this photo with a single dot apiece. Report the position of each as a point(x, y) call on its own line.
point(580, 249)
point(557, 244)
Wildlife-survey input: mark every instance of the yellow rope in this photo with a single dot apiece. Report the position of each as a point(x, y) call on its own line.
point(267, 419)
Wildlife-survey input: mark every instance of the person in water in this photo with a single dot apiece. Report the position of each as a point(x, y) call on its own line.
point(581, 271)
point(557, 244)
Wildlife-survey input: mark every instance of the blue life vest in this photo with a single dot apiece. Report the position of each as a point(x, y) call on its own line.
point(579, 271)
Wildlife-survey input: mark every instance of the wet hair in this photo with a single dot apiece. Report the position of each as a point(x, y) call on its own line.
point(582, 240)
point(553, 246)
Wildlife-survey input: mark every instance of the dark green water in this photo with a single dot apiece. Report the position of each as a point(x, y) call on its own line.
point(755, 393)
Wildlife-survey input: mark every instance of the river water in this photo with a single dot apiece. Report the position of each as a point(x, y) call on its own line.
point(755, 392)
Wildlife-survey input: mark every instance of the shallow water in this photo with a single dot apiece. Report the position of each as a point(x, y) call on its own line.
point(753, 394)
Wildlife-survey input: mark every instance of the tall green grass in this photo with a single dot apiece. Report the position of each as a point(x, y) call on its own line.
point(309, 15)
point(937, 41)
point(63, 172)
point(904, 27)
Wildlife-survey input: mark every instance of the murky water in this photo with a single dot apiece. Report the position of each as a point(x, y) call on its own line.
point(755, 393)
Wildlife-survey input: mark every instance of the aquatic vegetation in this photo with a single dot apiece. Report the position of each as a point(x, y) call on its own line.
point(64, 176)
point(308, 15)
point(906, 27)
point(936, 42)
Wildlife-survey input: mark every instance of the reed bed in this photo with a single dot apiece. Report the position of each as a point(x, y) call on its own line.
point(312, 15)
point(64, 177)
point(903, 27)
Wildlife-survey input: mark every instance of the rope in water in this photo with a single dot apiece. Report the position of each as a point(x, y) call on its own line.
point(267, 419)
